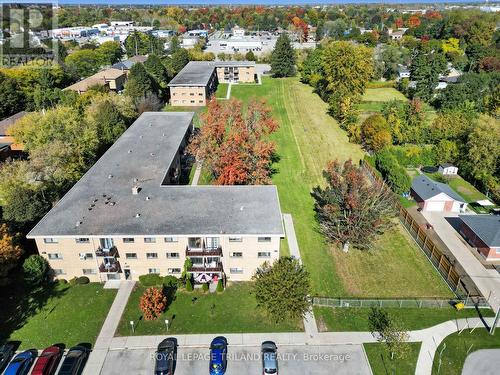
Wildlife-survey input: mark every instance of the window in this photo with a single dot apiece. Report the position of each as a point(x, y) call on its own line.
point(200, 94)
point(82, 240)
point(50, 240)
point(235, 239)
point(55, 256)
point(174, 270)
point(128, 240)
point(192, 101)
point(106, 243)
point(154, 270)
point(236, 254)
point(58, 271)
point(89, 271)
point(264, 239)
point(131, 255)
point(152, 255)
point(264, 254)
point(173, 255)
point(149, 240)
point(85, 256)
point(236, 270)
point(171, 239)
point(194, 242)
point(191, 93)
point(212, 242)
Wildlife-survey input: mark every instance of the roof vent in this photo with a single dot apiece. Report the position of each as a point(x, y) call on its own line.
point(110, 176)
point(163, 135)
point(241, 208)
point(152, 154)
point(129, 151)
point(136, 180)
point(78, 223)
point(137, 215)
point(112, 203)
point(90, 208)
point(148, 198)
point(135, 189)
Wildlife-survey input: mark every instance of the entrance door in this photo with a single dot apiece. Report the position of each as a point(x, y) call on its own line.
point(127, 274)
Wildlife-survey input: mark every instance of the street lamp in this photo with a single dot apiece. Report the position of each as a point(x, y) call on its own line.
point(132, 325)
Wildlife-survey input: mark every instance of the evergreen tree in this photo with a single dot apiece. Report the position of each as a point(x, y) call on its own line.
point(139, 83)
point(283, 58)
point(11, 97)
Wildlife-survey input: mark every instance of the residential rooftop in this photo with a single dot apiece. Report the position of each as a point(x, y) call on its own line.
point(102, 202)
point(427, 188)
point(129, 63)
point(486, 227)
point(6, 123)
point(100, 78)
point(198, 73)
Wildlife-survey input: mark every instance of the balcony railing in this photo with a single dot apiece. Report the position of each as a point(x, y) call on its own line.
point(204, 252)
point(100, 252)
point(217, 267)
point(110, 267)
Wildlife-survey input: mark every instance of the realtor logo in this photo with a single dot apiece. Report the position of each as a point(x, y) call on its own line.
point(24, 34)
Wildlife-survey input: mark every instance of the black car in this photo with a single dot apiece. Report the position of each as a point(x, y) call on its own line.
point(165, 356)
point(6, 353)
point(74, 361)
point(269, 353)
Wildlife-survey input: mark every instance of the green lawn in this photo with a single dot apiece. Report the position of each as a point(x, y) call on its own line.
point(356, 318)
point(221, 92)
point(381, 363)
point(382, 95)
point(232, 311)
point(457, 346)
point(55, 314)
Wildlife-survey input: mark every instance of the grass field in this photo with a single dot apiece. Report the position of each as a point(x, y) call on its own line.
point(235, 310)
point(67, 314)
point(381, 363)
point(385, 94)
point(457, 346)
point(221, 92)
point(356, 318)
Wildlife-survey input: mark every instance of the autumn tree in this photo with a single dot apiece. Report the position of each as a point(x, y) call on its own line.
point(10, 251)
point(376, 133)
point(351, 210)
point(152, 303)
point(282, 289)
point(11, 97)
point(231, 142)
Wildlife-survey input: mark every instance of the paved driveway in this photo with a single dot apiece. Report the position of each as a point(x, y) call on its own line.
point(293, 360)
point(484, 362)
point(485, 281)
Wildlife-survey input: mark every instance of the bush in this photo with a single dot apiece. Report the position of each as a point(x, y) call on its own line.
point(170, 281)
point(82, 280)
point(392, 172)
point(153, 302)
point(72, 281)
point(205, 287)
point(413, 155)
point(151, 279)
point(35, 269)
point(220, 286)
point(189, 285)
point(62, 281)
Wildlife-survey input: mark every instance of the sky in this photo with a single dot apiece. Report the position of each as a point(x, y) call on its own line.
point(265, 2)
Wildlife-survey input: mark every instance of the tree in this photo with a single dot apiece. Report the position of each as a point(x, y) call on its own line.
point(394, 174)
point(282, 289)
point(335, 29)
point(83, 63)
point(392, 57)
point(11, 97)
point(283, 58)
point(152, 303)
point(375, 132)
point(139, 43)
point(139, 83)
point(10, 251)
point(157, 70)
point(179, 60)
point(250, 56)
point(110, 53)
point(351, 210)
point(425, 70)
point(232, 142)
point(447, 151)
point(389, 331)
point(35, 269)
point(105, 117)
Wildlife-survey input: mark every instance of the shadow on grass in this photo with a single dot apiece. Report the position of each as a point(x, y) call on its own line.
point(20, 301)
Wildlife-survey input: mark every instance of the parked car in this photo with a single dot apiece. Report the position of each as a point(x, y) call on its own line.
point(166, 355)
point(74, 361)
point(218, 356)
point(269, 354)
point(6, 353)
point(47, 362)
point(21, 363)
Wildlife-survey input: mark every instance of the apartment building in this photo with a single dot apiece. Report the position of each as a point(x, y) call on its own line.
point(198, 80)
point(127, 216)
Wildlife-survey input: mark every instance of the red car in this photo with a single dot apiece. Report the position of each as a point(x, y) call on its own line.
point(47, 362)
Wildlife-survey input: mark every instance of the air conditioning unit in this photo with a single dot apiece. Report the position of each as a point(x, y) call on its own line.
point(83, 257)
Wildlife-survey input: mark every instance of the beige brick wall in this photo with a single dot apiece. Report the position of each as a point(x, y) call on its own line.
point(188, 96)
point(245, 74)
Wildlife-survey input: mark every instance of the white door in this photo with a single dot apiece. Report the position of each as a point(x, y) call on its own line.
point(434, 206)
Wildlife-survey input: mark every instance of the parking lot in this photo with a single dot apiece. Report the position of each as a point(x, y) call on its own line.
point(293, 360)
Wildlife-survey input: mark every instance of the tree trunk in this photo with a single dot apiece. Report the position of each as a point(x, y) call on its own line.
point(345, 247)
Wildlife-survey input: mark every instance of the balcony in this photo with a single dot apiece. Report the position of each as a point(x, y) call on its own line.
point(204, 252)
point(100, 252)
point(207, 267)
point(113, 266)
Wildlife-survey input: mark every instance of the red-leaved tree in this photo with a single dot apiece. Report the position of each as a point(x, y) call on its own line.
point(232, 142)
point(153, 302)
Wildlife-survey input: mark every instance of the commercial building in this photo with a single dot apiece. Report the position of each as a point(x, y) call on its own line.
point(127, 216)
point(196, 82)
point(114, 79)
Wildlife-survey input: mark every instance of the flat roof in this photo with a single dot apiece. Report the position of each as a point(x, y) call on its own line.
point(198, 73)
point(141, 157)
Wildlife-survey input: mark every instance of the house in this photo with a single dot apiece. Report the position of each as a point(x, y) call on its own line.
point(436, 196)
point(112, 78)
point(238, 32)
point(198, 80)
point(126, 65)
point(448, 169)
point(396, 35)
point(7, 143)
point(483, 233)
point(127, 216)
point(403, 72)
